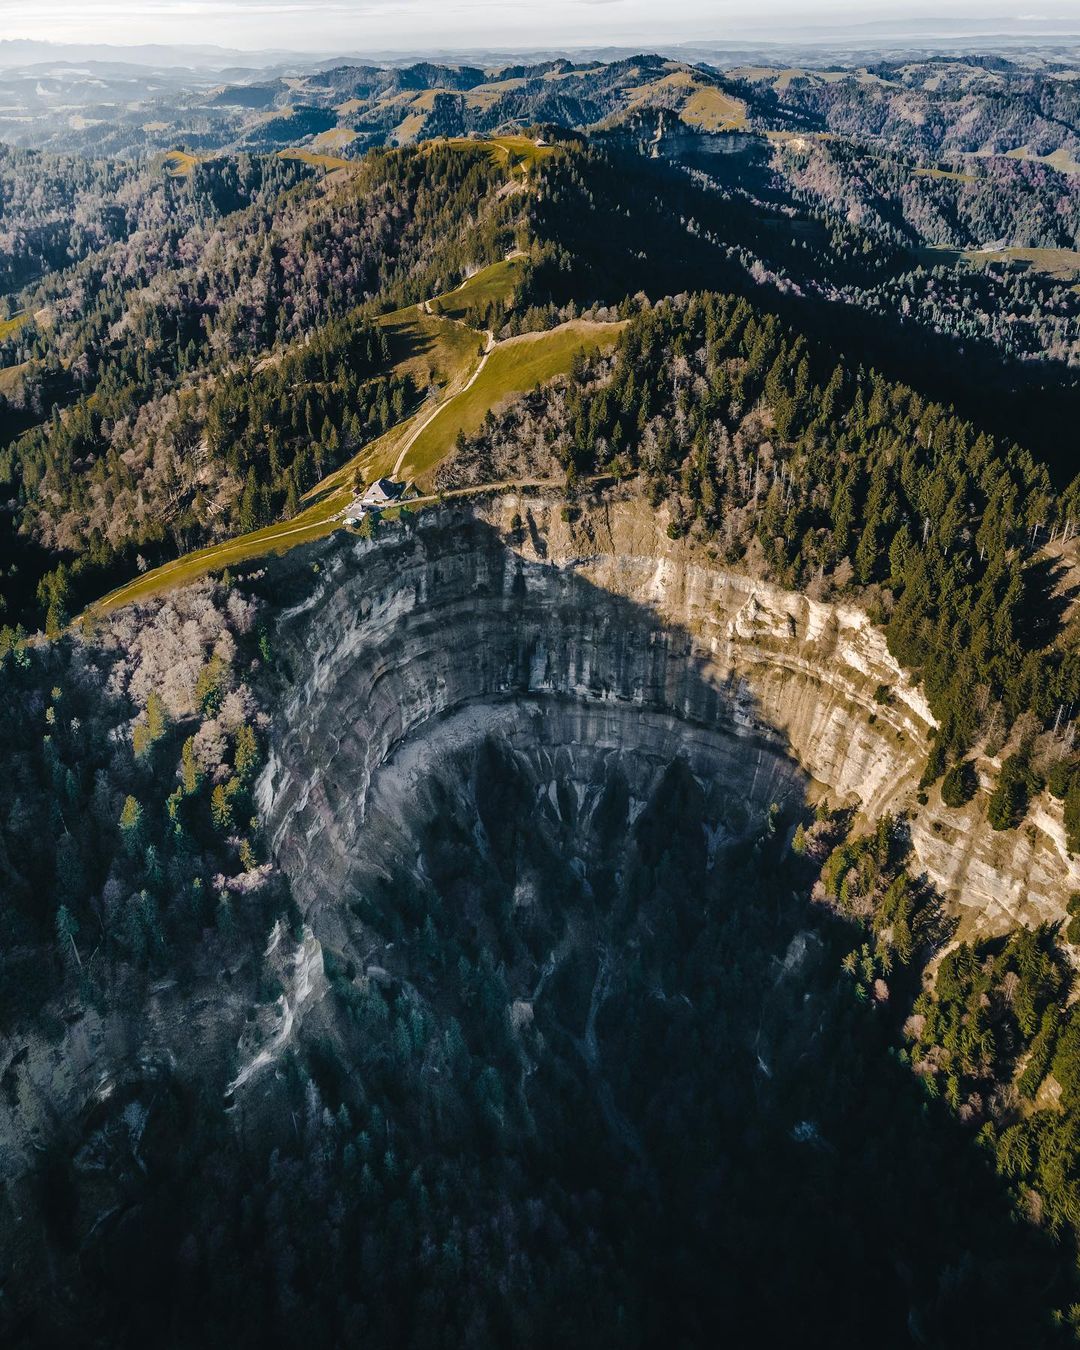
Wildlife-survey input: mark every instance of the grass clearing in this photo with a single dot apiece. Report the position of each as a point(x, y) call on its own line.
point(484, 95)
point(512, 151)
point(713, 110)
point(328, 162)
point(337, 138)
point(11, 375)
point(429, 348)
point(8, 327)
point(311, 524)
point(1061, 160)
point(178, 163)
point(409, 128)
point(955, 174)
point(513, 367)
point(702, 105)
point(422, 344)
point(1061, 263)
point(489, 285)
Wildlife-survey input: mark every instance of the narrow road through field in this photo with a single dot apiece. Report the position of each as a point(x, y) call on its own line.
point(425, 422)
point(449, 396)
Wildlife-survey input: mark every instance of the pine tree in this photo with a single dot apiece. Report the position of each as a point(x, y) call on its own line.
point(67, 930)
point(131, 824)
point(248, 519)
point(221, 810)
point(247, 753)
point(155, 716)
point(959, 784)
point(189, 767)
point(1072, 814)
point(1009, 799)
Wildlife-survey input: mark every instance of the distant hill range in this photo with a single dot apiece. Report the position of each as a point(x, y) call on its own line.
point(939, 106)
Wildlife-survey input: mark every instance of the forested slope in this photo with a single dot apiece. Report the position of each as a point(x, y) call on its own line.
point(196, 378)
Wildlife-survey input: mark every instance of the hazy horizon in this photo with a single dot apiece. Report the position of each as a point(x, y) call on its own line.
point(422, 25)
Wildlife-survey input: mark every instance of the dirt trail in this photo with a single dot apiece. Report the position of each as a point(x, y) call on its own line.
point(425, 422)
point(451, 394)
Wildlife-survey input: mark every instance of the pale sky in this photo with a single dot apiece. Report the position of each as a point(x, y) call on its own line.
point(339, 25)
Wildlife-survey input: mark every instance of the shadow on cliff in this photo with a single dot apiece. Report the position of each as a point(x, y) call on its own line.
point(649, 663)
point(830, 1185)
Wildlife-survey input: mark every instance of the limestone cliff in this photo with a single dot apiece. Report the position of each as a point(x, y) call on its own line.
point(594, 651)
point(588, 631)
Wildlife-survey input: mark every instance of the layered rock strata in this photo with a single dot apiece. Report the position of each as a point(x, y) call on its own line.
point(588, 632)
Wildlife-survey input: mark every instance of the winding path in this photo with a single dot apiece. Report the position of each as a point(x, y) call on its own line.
point(425, 422)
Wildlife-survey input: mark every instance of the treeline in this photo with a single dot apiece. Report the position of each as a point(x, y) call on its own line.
point(995, 344)
point(994, 1033)
point(1001, 204)
point(197, 289)
point(1016, 203)
point(57, 210)
point(279, 428)
point(239, 450)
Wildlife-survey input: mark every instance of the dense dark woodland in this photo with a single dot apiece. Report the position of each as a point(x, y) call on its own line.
point(816, 386)
point(957, 337)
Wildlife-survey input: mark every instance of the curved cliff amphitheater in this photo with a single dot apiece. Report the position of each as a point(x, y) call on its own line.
point(597, 651)
point(558, 1040)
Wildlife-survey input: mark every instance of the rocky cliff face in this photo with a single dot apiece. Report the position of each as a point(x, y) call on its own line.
point(582, 636)
point(508, 689)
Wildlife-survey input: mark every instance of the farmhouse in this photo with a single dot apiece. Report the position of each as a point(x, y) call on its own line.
point(377, 494)
point(380, 492)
